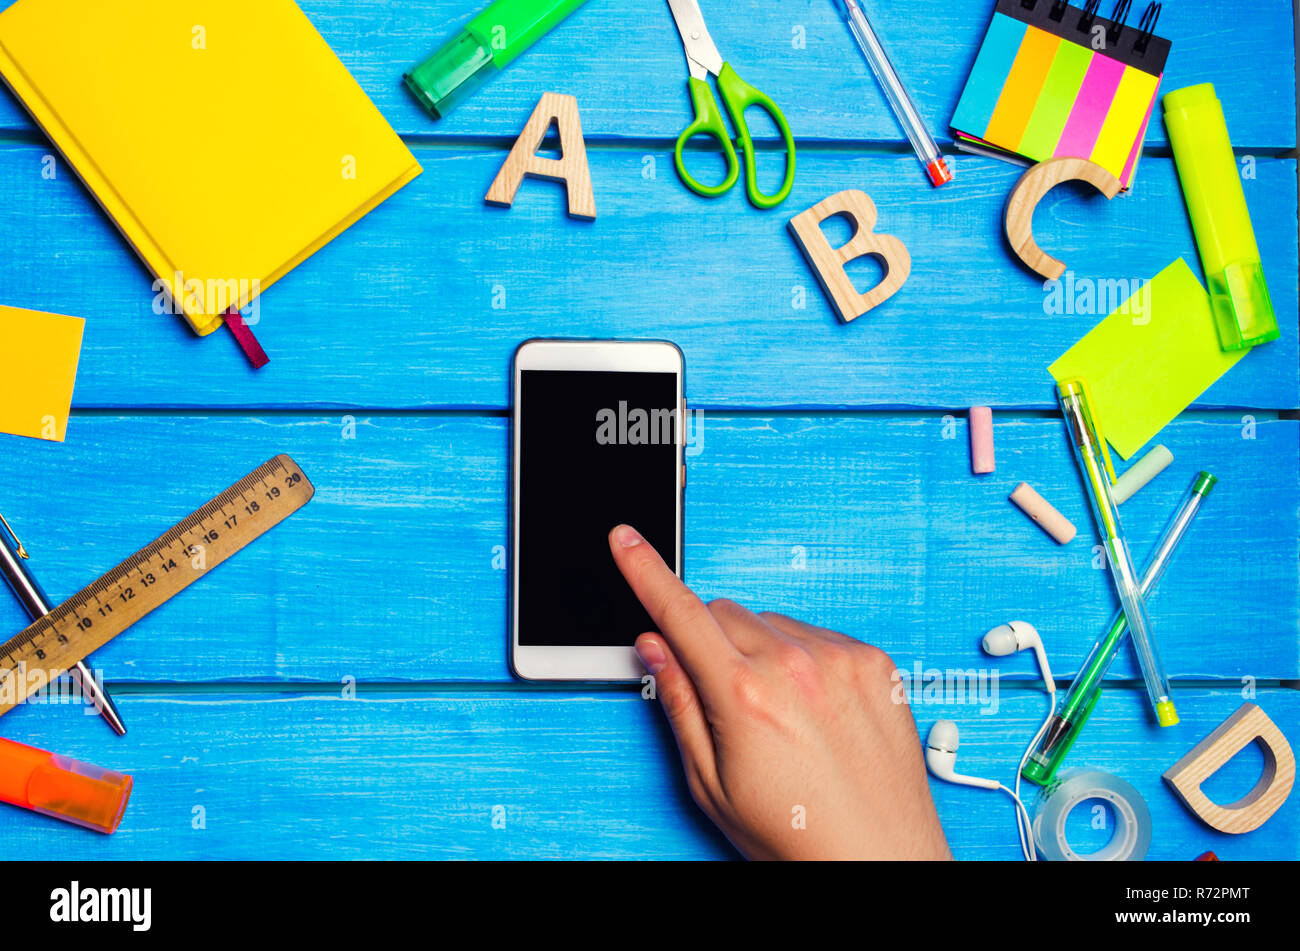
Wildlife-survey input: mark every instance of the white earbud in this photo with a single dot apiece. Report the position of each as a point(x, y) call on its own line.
point(941, 756)
point(1005, 639)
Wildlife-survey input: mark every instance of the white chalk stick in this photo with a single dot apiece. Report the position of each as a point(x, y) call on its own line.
point(981, 439)
point(1140, 473)
point(1042, 512)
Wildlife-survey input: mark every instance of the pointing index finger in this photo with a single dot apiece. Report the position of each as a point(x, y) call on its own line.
point(691, 631)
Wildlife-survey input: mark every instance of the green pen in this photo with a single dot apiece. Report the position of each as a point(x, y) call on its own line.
point(488, 44)
point(1086, 689)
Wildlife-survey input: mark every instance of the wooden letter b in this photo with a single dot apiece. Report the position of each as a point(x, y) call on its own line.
point(828, 263)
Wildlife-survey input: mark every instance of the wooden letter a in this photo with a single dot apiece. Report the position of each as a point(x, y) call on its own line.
point(571, 168)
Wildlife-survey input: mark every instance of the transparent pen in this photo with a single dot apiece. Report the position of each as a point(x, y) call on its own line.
point(899, 98)
point(1090, 450)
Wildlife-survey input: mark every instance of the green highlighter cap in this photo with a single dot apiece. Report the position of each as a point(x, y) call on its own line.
point(1207, 169)
point(488, 44)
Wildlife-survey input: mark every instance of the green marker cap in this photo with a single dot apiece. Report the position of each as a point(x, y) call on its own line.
point(489, 43)
point(1204, 483)
point(451, 75)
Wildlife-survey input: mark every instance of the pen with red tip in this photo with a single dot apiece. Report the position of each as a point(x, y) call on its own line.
point(899, 98)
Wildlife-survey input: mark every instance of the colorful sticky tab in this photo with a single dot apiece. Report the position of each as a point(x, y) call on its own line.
point(1020, 95)
point(993, 64)
point(38, 368)
point(1129, 110)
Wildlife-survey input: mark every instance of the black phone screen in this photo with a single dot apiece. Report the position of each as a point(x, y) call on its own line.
point(596, 449)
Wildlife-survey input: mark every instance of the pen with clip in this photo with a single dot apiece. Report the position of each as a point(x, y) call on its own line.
point(1086, 689)
point(900, 100)
point(37, 605)
point(1090, 451)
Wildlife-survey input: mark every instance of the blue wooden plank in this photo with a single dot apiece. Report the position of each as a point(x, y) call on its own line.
point(870, 524)
point(422, 303)
point(240, 776)
point(629, 74)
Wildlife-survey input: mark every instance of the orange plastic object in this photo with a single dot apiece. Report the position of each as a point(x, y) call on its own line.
point(64, 788)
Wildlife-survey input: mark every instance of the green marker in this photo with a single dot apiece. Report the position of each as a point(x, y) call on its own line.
point(1207, 169)
point(488, 44)
point(1086, 689)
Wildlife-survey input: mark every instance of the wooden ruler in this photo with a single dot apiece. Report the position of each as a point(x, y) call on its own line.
point(98, 613)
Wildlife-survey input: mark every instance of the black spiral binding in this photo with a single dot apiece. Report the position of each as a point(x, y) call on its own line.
point(1147, 28)
point(1054, 16)
point(1117, 21)
point(1089, 15)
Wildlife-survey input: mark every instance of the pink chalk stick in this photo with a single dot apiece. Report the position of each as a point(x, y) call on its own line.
point(981, 439)
point(1042, 512)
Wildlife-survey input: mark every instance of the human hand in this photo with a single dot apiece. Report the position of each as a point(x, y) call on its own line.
point(779, 721)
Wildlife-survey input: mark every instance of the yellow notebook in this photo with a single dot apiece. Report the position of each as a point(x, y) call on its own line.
point(224, 137)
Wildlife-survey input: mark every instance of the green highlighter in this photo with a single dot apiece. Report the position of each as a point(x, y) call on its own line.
point(488, 44)
point(1243, 310)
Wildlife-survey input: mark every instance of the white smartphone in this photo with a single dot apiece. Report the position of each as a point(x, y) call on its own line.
point(598, 429)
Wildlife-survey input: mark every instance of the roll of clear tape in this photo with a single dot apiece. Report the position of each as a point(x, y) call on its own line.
point(1132, 834)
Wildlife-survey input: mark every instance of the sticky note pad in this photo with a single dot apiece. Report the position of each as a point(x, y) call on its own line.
point(1148, 361)
point(1053, 80)
point(38, 367)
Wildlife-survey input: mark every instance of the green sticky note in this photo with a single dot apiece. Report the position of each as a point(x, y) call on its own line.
point(1055, 101)
point(1148, 361)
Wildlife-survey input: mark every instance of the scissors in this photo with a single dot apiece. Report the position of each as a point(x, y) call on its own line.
point(704, 60)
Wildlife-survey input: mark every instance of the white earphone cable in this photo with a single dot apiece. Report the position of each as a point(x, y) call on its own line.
point(1022, 822)
point(1024, 826)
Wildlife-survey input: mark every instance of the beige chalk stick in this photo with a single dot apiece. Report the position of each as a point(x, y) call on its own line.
point(1042, 512)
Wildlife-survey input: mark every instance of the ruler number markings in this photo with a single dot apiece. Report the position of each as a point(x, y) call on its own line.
point(155, 573)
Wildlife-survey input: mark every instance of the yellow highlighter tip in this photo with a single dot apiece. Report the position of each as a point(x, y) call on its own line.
point(1166, 715)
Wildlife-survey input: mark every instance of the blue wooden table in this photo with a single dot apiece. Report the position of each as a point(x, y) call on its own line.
point(340, 689)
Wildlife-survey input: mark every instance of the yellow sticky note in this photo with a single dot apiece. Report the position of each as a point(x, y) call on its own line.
point(1125, 121)
point(38, 367)
point(1148, 361)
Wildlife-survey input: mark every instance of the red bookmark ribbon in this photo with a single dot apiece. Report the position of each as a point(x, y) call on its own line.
point(244, 337)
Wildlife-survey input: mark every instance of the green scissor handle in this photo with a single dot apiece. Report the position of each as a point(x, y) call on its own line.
point(708, 121)
point(738, 96)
